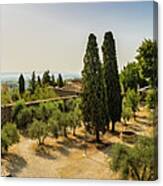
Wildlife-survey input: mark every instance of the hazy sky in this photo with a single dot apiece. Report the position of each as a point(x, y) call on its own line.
point(54, 36)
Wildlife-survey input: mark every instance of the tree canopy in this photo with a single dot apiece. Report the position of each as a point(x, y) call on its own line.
point(111, 79)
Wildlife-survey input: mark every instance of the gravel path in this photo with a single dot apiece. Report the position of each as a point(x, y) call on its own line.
point(62, 163)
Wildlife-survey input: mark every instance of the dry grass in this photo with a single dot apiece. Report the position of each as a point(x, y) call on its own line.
point(73, 157)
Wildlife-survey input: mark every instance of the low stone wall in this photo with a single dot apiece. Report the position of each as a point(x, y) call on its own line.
point(6, 110)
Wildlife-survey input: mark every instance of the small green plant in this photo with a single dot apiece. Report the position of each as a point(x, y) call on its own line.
point(9, 136)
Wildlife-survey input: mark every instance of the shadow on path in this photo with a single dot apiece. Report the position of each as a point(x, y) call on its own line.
point(16, 163)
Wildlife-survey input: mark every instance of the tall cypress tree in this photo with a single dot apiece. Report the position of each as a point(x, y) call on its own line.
point(21, 82)
point(60, 82)
point(33, 83)
point(111, 79)
point(46, 78)
point(92, 95)
point(53, 83)
point(39, 81)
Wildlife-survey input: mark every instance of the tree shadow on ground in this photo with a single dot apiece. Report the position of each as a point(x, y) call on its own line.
point(144, 122)
point(46, 151)
point(135, 128)
point(71, 143)
point(16, 163)
point(141, 117)
point(63, 150)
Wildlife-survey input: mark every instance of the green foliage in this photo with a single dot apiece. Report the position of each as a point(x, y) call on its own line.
point(151, 98)
point(44, 111)
point(54, 126)
point(46, 78)
point(60, 82)
point(132, 100)
point(14, 93)
point(64, 122)
point(130, 77)
point(5, 95)
point(148, 60)
point(53, 83)
point(39, 81)
point(21, 82)
point(126, 111)
point(92, 96)
point(38, 130)
point(9, 136)
point(43, 92)
point(111, 79)
point(32, 83)
point(75, 118)
point(20, 105)
point(138, 162)
point(5, 98)
point(23, 118)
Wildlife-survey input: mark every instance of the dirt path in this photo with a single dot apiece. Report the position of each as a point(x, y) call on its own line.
point(66, 158)
point(59, 163)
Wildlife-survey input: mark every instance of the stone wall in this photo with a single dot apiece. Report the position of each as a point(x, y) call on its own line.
point(6, 110)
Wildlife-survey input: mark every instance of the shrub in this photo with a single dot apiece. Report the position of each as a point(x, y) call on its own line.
point(75, 118)
point(9, 136)
point(132, 100)
point(39, 130)
point(15, 96)
point(126, 111)
point(54, 126)
point(44, 92)
point(137, 163)
point(17, 108)
point(24, 117)
point(151, 98)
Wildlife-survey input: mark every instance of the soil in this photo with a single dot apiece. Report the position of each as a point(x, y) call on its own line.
point(72, 157)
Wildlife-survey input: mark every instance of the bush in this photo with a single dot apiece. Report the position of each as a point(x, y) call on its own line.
point(54, 126)
point(15, 96)
point(132, 100)
point(44, 92)
point(151, 98)
point(24, 117)
point(126, 111)
point(9, 136)
point(17, 108)
point(39, 130)
point(138, 162)
point(75, 118)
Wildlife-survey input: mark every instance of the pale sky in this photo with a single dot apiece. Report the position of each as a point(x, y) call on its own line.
point(54, 36)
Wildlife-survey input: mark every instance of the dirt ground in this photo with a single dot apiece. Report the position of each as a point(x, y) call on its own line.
point(72, 157)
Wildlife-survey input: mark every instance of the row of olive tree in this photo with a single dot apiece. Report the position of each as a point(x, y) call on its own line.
point(40, 121)
point(55, 118)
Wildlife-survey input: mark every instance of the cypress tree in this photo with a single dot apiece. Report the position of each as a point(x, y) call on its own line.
point(33, 83)
point(60, 81)
point(46, 78)
point(39, 81)
point(111, 79)
point(92, 96)
point(53, 83)
point(21, 82)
